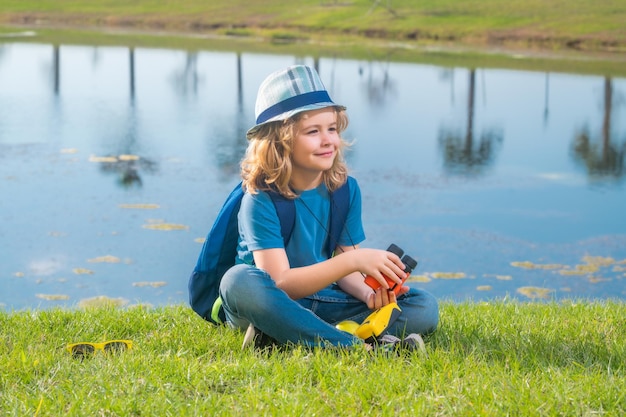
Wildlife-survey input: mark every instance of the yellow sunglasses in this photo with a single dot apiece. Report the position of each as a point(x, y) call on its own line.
point(82, 349)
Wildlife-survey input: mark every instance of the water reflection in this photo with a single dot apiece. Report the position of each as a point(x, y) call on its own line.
point(546, 101)
point(126, 164)
point(56, 70)
point(186, 80)
point(231, 136)
point(463, 153)
point(380, 87)
point(601, 157)
point(131, 70)
point(126, 167)
point(142, 145)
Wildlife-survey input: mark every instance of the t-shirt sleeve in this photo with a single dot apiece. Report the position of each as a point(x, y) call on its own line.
point(353, 233)
point(259, 227)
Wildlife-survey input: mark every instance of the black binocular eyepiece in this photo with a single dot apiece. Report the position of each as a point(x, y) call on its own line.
point(408, 261)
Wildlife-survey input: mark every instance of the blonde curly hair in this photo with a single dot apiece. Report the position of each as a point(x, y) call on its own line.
point(267, 162)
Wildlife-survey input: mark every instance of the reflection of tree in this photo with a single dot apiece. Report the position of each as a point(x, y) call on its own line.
point(52, 72)
point(127, 168)
point(131, 70)
point(378, 87)
point(448, 74)
point(126, 164)
point(186, 80)
point(546, 100)
point(605, 159)
point(231, 139)
point(56, 68)
point(461, 152)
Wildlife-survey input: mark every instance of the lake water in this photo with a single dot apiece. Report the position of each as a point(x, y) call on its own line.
point(115, 161)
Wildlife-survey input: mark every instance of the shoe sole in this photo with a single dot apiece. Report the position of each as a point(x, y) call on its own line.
point(248, 339)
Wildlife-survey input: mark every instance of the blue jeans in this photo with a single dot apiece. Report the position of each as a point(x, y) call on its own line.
point(250, 295)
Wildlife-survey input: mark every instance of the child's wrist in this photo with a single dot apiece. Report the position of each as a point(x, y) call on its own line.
point(367, 294)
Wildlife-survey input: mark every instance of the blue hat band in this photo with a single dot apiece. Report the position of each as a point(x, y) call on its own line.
point(293, 103)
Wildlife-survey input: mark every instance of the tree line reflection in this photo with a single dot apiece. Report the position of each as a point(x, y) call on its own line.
point(464, 152)
point(602, 157)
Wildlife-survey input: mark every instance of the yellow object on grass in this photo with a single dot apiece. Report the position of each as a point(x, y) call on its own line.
point(374, 325)
point(82, 349)
point(348, 326)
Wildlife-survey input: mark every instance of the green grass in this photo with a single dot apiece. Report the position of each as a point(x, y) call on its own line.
point(550, 22)
point(501, 358)
point(436, 17)
point(582, 36)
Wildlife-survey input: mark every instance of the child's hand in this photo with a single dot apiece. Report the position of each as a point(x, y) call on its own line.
point(403, 290)
point(379, 264)
point(380, 298)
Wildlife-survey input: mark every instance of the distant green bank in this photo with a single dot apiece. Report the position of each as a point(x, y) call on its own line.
point(585, 24)
point(579, 36)
point(486, 359)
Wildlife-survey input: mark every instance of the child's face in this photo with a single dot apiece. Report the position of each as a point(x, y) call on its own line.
point(316, 142)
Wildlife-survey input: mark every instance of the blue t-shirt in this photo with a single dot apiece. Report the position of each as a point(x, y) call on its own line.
point(259, 226)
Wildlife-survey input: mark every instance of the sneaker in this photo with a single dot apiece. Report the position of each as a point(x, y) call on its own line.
point(385, 344)
point(258, 339)
point(391, 344)
point(413, 342)
point(388, 340)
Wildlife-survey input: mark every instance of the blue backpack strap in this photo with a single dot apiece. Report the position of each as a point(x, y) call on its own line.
point(286, 210)
point(339, 207)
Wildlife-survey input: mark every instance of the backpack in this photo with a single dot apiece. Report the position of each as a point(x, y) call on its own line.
point(219, 250)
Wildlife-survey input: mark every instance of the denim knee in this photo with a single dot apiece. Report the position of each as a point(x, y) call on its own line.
point(250, 296)
point(237, 281)
point(240, 287)
point(420, 313)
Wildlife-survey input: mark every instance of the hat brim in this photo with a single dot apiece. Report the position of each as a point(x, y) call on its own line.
point(286, 115)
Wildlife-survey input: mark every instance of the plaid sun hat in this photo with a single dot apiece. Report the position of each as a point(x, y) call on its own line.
point(287, 92)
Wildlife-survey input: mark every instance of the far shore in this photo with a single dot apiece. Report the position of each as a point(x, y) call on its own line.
point(513, 56)
point(587, 37)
